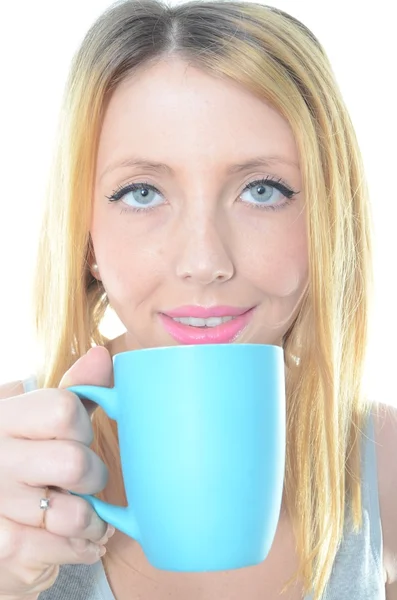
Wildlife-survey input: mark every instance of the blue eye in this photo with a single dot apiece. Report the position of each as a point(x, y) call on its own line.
point(143, 198)
point(261, 188)
point(264, 193)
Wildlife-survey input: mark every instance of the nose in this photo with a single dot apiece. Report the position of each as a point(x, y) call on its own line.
point(202, 253)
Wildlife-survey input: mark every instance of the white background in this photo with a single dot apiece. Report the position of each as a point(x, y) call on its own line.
point(37, 40)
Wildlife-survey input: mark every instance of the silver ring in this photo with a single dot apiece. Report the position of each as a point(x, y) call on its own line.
point(44, 505)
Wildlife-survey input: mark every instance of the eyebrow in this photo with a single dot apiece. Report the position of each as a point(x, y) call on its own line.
point(257, 161)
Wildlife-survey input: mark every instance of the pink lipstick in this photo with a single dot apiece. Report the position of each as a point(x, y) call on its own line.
point(223, 333)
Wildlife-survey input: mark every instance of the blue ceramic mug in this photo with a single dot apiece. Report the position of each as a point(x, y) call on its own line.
point(202, 445)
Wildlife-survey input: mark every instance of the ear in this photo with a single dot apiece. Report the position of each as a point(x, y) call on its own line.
point(91, 258)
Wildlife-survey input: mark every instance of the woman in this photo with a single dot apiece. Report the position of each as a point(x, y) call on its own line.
point(205, 158)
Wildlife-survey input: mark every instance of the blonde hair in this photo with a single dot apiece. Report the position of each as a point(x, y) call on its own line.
point(276, 57)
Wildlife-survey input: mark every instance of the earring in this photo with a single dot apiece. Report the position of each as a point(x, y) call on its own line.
point(95, 267)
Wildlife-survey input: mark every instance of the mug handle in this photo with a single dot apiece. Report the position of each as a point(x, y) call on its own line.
point(121, 517)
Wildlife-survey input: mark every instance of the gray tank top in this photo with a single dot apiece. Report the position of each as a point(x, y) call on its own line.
point(357, 571)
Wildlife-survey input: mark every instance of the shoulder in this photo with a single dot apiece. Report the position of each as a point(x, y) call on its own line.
point(385, 432)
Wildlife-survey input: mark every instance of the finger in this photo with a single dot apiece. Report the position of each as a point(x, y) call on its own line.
point(67, 515)
point(27, 552)
point(65, 464)
point(46, 414)
point(93, 368)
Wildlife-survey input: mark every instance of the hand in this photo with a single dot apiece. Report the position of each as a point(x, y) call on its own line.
point(44, 441)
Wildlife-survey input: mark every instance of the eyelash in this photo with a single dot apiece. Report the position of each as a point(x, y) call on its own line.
point(278, 184)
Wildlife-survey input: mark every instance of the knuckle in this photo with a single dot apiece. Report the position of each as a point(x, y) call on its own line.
point(65, 411)
point(82, 514)
point(46, 580)
point(75, 463)
point(80, 546)
point(10, 540)
point(30, 577)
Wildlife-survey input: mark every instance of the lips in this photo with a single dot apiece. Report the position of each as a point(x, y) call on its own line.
point(202, 312)
point(221, 334)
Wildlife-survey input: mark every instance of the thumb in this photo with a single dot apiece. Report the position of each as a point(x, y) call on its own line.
point(93, 368)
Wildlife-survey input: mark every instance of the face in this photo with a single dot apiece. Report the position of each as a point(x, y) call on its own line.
point(196, 232)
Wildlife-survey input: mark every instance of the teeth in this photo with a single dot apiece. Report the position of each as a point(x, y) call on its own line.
point(211, 322)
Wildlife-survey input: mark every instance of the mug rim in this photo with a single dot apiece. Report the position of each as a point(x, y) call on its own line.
point(201, 346)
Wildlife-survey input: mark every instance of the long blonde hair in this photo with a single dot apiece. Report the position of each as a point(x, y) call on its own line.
point(279, 59)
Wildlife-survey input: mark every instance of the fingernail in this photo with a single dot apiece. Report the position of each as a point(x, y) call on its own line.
point(110, 531)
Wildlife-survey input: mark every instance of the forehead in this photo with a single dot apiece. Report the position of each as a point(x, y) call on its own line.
point(172, 109)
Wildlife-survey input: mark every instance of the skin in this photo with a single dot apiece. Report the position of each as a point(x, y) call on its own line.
point(205, 243)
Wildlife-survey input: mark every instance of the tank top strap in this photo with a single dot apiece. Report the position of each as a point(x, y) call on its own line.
point(30, 383)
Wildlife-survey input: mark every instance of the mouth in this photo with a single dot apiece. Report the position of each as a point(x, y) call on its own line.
point(216, 330)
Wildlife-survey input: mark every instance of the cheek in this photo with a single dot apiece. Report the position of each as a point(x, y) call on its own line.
point(129, 264)
point(131, 271)
point(278, 262)
point(285, 274)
